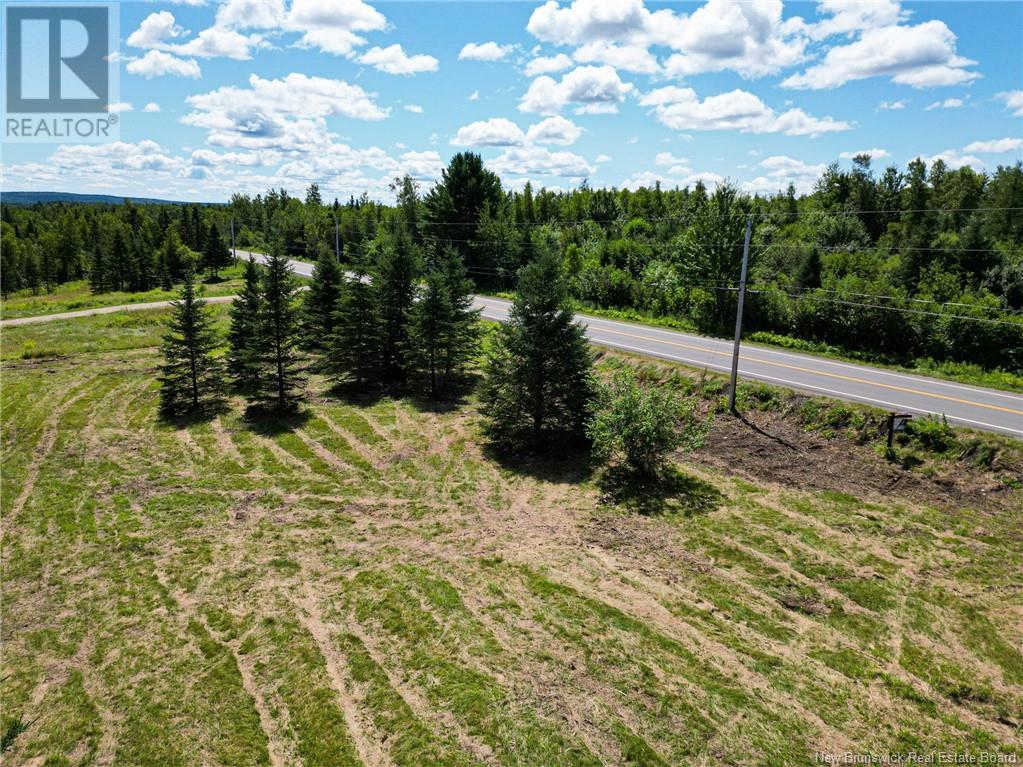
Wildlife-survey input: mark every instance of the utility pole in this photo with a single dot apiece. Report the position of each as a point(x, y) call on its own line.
point(738, 315)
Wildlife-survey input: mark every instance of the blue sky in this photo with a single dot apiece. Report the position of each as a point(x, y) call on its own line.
point(245, 94)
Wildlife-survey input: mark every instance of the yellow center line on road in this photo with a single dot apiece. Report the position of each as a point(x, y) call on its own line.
point(905, 389)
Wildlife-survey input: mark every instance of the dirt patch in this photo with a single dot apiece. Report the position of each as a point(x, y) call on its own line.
point(772, 447)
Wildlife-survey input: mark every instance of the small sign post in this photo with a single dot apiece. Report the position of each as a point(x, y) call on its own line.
point(896, 422)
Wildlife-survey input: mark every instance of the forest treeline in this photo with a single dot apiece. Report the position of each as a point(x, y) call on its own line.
point(897, 265)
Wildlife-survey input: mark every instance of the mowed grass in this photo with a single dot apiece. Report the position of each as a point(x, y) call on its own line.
point(76, 296)
point(367, 586)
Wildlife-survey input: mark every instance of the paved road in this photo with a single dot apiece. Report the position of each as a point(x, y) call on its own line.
point(980, 408)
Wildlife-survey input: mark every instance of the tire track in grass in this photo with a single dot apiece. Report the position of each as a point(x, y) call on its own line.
point(41, 451)
point(323, 453)
point(444, 658)
point(223, 674)
point(417, 704)
point(225, 443)
point(284, 457)
point(588, 701)
point(366, 742)
point(360, 448)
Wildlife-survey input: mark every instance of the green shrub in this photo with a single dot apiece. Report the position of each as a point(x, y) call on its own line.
point(641, 426)
point(932, 434)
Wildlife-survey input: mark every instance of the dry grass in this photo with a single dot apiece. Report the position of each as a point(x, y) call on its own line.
point(368, 586)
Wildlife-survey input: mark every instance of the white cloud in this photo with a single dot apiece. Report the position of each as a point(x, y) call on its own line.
point(156, 63)
point(631, 58)
point(286, 114)
point(151, 107)
point(422, 165)
point(330, 25)
point(498, 131)
point(414, 108)
point(922, 56)
point(295, 94)
point(995, 146)
point(210, 159)
point(1013, 100)
point(602, 158)
point(650, 179)
point(114, 158)
point(749, 38)
point(394, 61)
point(554, 130)
point(155, 30)
point(587, 21)
point(474, 96)
point(681, 109)
point(677, 166)
point(484, 51)
point(949, 103)
point(219, 41)
point(892, 105)
point(245, 14)
point(120, 106)
point(535, 160)
point(596, 89)
point(543, 65)
point(875, 154)
point(158, 31)
point(780, 171)
point(954, 160)
point(850, 16)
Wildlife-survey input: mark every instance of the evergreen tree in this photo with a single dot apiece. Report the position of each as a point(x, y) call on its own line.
point(395, 285)
point(321, 300)
point(444, 328)
point(190, 377)
point(354, 350)
point(245, 313)
point(538, 381)
point(216, 254)
point(461, 341)
point(278, 386)
point(172, 254)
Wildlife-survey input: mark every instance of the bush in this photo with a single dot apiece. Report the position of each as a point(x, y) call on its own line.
point(931, 434)
point(642, 426)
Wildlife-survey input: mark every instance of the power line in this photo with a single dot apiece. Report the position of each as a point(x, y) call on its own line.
point(677, 218)
point(499, 272)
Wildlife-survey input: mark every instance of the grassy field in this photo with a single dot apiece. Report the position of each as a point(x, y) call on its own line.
point(368, 585)
point(74, 296)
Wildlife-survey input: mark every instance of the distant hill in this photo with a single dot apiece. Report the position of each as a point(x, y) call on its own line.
point(31, 198)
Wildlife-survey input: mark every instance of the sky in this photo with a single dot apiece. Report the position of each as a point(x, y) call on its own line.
point(243, 95)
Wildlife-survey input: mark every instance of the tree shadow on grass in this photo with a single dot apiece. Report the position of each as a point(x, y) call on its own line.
point(672, 492)
point(359, 395)
point(453, 396)
point(270, 423)
point(561, 462)
point(201, 416)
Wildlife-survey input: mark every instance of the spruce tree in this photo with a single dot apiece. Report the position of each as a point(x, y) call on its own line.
point(216, 254)
point(279, 382)
point(245, 313)
point(431, 321)
point(395, 285)
point(190, 377)
point(354, 351)
point(444, 328)
point(321, 301)
point(538, 382)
